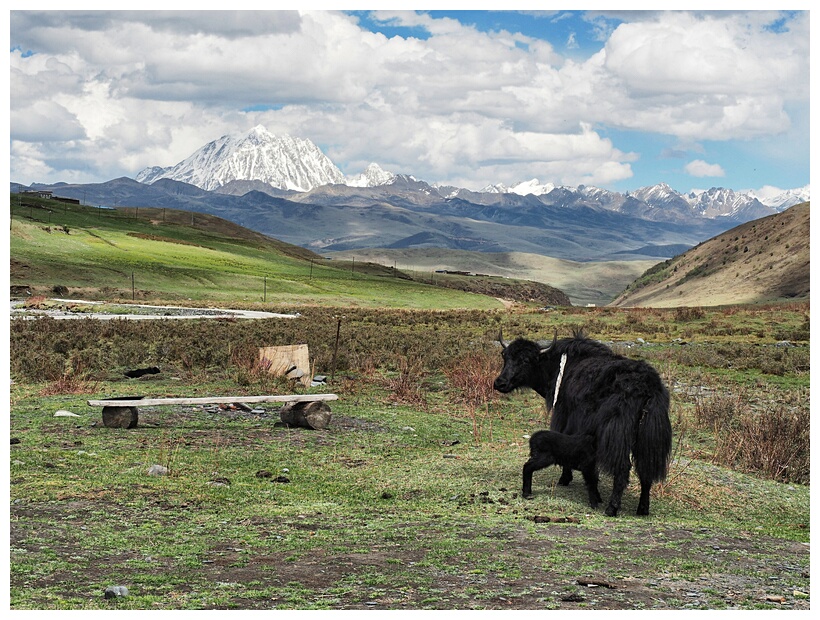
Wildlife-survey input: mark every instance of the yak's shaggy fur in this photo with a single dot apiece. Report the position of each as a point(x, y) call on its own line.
point(621, 402)
point(572, 451)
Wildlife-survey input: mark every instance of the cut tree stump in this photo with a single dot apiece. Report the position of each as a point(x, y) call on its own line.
point(315, 415)
point(121, 416)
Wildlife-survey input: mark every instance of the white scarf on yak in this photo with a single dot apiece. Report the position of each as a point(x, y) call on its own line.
point(560, 378)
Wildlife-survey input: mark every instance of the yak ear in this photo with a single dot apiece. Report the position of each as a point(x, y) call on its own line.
point(501, 339)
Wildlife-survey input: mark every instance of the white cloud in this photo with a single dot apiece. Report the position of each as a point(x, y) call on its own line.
point(699, 168)
point(129, 89)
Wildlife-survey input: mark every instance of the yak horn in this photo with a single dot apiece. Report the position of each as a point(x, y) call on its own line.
point(501, 339)
point(552, 344)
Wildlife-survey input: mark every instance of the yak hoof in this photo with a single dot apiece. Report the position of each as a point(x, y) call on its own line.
point(527, 495)
point(611, 511)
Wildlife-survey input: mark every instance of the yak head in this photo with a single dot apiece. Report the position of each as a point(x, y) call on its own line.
point(523, 365)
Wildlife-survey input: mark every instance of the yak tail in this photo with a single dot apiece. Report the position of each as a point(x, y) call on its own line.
point(653, 438)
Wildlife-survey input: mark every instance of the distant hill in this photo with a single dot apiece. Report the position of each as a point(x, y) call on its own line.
point(583, 282)
point(167, 254)
point(763, 260)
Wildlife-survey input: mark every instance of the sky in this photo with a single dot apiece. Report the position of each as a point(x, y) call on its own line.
point(614, 99)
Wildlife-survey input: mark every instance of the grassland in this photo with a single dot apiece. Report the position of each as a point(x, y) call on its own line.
point(410, 498)
point(583, 282)
point(157, 254)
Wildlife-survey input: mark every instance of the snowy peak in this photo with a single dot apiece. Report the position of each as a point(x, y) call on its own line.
point(372, 176)
point(295, 164)
point(524, 188)
point(779, 199)
point(721, 202)
point(283, 162)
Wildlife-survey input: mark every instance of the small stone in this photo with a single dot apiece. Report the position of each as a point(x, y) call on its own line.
point(157, 470)
point(62, 413)
point(115, 591)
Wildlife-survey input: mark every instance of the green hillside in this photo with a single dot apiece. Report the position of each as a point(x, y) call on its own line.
point(163, 254)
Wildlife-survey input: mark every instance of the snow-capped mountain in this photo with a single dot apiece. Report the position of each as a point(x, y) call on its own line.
point(283, 162)
point(721, 202)
point(779, 199)
point(524, 188)
point(372, 176)
point(298, 165)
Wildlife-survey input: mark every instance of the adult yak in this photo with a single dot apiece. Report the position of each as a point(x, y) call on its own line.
point(592, 390)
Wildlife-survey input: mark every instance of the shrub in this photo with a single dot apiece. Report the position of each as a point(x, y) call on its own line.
point(772, 440)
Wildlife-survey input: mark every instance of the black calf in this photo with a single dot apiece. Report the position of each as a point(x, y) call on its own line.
point(570, 452)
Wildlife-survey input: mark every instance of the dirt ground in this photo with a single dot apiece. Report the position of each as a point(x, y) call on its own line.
point(744, 573)
point(610, 568)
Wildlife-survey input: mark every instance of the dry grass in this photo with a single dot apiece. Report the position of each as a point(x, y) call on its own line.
point(70, 383)
point(773, 440)
point(472, 376)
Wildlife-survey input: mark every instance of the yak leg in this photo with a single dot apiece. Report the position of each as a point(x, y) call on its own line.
point(643, 503)
point(591, 480)
point(619, 483)
point(566, 476)
point(535, 463)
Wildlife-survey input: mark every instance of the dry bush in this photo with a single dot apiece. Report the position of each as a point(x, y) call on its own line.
point(472, 376)
point(408, 385)
point(70, 382)
point(35, 301)
point(772, 441)
point(720, 412)
point(685, 314)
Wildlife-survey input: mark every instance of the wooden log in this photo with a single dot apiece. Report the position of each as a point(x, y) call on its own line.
point(315, 415)
point(121, 415)
point(210, 400)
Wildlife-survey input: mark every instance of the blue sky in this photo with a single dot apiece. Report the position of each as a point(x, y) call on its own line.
point(617, 99)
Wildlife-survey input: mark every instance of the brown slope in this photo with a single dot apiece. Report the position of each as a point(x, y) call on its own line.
point(763, 260)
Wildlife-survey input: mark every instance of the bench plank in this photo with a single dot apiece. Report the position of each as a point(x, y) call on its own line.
point(213, 400)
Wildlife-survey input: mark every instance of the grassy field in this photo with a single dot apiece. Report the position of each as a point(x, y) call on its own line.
point(149, 254)
point(584, 282)
point(410, 499)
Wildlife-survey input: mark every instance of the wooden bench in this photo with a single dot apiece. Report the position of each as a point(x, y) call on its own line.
point(308, 410)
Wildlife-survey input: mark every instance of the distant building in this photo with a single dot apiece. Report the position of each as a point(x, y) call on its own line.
point(39, 193)
point(49, 195)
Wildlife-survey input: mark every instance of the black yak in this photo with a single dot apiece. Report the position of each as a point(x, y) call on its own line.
point(591, 390)
point(571, 451)
point(141, 372)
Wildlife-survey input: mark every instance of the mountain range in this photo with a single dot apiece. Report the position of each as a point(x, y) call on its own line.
point(295, 164)
point(287, 188)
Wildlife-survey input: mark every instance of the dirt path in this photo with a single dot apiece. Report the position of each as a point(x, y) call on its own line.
point(140, 311)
